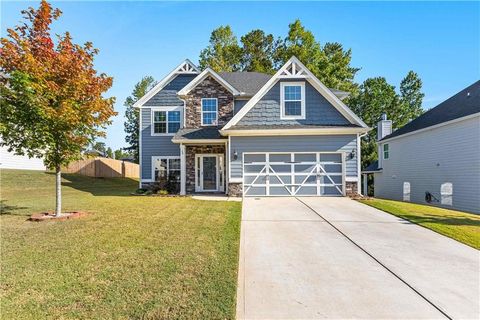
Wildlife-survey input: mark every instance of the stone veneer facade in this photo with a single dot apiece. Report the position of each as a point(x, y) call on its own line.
point(235, 189)
point(190, 152)
point(208, 88)
point(351, 188)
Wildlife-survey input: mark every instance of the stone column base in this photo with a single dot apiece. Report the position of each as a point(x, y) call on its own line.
point(351, 188)
point(235, 189)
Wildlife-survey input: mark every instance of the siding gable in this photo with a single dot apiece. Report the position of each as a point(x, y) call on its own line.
point(319, 111)
point(168, 95)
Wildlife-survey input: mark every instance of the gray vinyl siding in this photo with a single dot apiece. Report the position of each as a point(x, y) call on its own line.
point(238, 104)
point(331, 143)
point(318, 110)
point(153, 145)
point(428, 159)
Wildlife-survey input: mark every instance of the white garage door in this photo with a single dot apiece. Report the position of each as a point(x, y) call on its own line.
point(293, 174)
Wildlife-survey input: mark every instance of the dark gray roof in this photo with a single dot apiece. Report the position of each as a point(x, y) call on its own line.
point(464, 103)
point(246, 82)
point(291, 126)
point(198, 134)
point(372, 167)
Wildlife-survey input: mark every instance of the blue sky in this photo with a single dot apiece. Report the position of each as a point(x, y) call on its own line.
point(438, 40)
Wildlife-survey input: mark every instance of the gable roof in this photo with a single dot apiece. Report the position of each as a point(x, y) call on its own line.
point(186, 67)
point(202, 76)
point(295, 69)
point(462, 104)
point(246, 82)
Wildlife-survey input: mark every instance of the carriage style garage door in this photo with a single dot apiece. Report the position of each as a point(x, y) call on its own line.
point(293, 174)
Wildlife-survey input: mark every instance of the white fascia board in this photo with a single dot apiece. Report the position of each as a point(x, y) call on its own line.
point(199, 141)
point(317, 84)
point(430, 128)
point(166, 80)
point(294, 132)
point(205, 73)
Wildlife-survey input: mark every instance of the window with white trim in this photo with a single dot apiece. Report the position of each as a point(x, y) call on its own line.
point(166, 122)
point(164, 167)
point(292, 100)
point(386, 151)
point(209, 111)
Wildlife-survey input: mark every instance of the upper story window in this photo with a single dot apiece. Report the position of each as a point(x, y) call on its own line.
point(209, 111)
point(386, 152)
point(292, 100)
point(166, 121)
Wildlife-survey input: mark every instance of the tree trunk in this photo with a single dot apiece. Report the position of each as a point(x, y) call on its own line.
point(58, 188)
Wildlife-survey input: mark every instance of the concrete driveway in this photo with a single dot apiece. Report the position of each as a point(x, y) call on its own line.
point(308, 258)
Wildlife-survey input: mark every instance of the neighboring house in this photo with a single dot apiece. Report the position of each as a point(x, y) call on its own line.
point(9, 160)
point(249, 133)
point(435, 158)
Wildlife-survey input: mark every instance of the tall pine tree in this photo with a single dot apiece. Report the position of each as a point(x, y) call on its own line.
point(132, 115)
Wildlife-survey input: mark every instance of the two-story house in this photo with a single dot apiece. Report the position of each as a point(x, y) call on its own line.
point(435, 158)
point(249, 133)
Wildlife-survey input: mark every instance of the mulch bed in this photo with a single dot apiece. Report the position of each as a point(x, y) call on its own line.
point(48, 216)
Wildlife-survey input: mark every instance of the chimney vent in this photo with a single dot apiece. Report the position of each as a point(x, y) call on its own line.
point(384, 127)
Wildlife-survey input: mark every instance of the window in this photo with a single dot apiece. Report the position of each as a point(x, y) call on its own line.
point(209, 112)
point(166, 122)
point(292, 100)
point(386, 152)
point(164, 167)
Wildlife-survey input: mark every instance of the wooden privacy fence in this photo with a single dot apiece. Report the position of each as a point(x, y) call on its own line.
point(103, 168)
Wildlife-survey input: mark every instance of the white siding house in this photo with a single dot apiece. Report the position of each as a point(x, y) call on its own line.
point(434, 159)
point(8, 160)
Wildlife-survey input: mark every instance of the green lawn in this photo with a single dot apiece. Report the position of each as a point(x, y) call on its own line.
point(461, 226)
point(131, 258)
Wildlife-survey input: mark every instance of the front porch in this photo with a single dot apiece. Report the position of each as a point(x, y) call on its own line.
point(205, 168)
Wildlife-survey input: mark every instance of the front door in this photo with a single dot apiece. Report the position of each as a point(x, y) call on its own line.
point(209, 172)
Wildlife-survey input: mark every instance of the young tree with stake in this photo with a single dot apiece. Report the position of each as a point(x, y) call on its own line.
point(51, 97)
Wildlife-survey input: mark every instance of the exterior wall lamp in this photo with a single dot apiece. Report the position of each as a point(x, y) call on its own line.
point(235, 155)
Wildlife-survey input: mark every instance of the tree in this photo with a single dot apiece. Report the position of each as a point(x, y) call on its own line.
point(334, 69)
point(375, 97)
point(412, 95)
point(100, 146)
point(132, 114)
point(261, 52)
point(51, 95)
point(301, 43)
point(258, 50)
point(109, 153)
point(223, 53)
point(120, 154)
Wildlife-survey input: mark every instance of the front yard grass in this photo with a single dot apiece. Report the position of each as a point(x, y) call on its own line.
point(461, 226)
point(131, 258)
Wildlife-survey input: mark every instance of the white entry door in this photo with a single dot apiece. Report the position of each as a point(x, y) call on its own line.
point(209, 173)
point(294, 174)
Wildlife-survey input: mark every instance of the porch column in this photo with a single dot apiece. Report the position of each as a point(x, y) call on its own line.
point(183, 169)
point(365, 184)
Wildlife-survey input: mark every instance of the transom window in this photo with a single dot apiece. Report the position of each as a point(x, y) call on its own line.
point(164, 167)
point(292, 99)
point(386, 152)
point(209, 111)
point(166, 122)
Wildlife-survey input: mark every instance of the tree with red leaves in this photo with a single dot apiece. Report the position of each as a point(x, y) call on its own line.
point(52, 103)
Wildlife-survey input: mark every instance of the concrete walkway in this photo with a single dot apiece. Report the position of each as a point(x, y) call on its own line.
point(311, 258)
